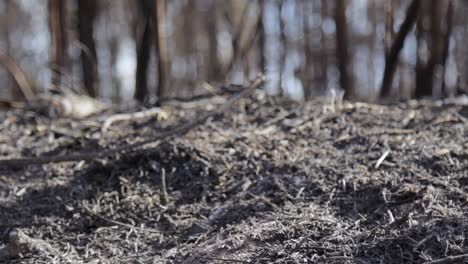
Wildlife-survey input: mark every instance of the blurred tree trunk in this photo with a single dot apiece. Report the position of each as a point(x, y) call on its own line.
point(7, 13)
point(429, 76)
point(448, 33)
point(87, 10)
point(58, 35)
point(239, 25)
point(161, 47)
point(284, 46)
point(214, 67)
point(461, 51)
point(324, 45)
point(16, 93)
point(421, 80)
point(246, 53)
point(22, 84)
point(262, 38)
point(307, 74)
point(186, 49)
point(436, 47)
point(342, 49)
point(113, 43)
point(389, 32)
point(143, 42)
point(372, 16)
point(391, 58)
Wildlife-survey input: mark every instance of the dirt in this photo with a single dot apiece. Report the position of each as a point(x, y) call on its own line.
point(272, 181)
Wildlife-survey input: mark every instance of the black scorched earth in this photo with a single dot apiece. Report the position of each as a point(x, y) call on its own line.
point(270, 181)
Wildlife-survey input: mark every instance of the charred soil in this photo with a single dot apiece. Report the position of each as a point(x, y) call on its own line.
point(271, 181)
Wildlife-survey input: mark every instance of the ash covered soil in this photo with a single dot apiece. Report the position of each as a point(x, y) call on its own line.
point(271, 181)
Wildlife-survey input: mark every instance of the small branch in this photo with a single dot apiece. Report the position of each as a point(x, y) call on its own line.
point(156, 111)
point(177, 131)
point(228, 89)
point(382, 158)
point(450, 259)
point(19, 76)
point(115, 222)
point(225, 260)
point(163, 186)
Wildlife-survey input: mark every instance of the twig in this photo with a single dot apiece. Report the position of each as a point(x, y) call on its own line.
point(341, 258)
point(424, 240)
point(298, 195)
point(462, 118)
point(115, 222)
point(224, 259)
point(264, 199)
point(179, 130)
point(382, 158)
point(163, 186)
point(391, 218)
point(450, 259)
point(279, 118)
point(228, 89)
point(156, 111)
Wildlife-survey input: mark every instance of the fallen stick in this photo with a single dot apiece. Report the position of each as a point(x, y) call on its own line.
point(179, 130)
point(450, 259)
point(115, 222)
point(164, 187)
point(158, 112)
point(381, 159)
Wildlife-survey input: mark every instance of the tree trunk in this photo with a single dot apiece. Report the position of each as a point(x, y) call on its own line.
point(214, 66)
point(392, 56)
point(448, 33)
point(58, 36)
point(342, 49)
point(307, 74)
point(324, 45)
point(434, 67)
point(238, 31)
point(421, 80)
point(262, 38)
point(429, 77)
point(144, 41)
point(284, 47)
point(389, 32)
point(245, 53)
point(16, 93)
point(161, 47)
point(87, 10)
point(372, 16)
point(116, 84)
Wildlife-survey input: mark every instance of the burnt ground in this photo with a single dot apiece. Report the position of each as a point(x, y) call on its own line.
point(272, 181)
